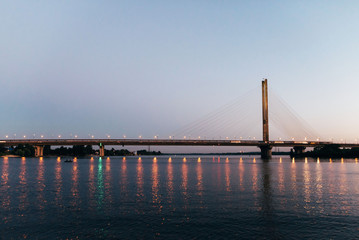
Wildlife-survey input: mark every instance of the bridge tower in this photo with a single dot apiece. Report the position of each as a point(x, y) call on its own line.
point(266, 149)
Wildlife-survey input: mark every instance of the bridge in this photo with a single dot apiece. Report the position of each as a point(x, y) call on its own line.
point(265, 144)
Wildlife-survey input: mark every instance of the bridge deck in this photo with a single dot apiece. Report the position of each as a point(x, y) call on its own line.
point(168, 142)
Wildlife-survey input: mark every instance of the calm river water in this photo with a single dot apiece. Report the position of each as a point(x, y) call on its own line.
point(172, 197)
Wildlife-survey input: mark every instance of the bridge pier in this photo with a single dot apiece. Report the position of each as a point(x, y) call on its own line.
point(266, 151)
point(102, 150)
point(299, 150)
point(39, 151)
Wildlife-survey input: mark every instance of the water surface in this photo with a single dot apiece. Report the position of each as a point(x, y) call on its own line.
point(179, 197)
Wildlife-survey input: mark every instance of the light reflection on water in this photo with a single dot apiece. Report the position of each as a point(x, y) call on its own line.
point(241, 175)
point(22, 186)
point(169, 196)
point(75, 199)
point(185, 183)
point(5, 189)
point(58, 183)
point(41, 200)
point(227, 170)
point(91, 185)
point(140, 180)
point(170, 188)
point(307, 186)
point(108, 183)
point(100, 192)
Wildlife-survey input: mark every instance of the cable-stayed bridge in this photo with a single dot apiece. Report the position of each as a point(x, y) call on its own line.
point(216, 122)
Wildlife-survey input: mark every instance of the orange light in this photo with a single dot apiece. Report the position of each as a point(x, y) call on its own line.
point(41, 159)
point(154, 159)
point(58, 159)
point(318, 160)
point(124, 159)
point(280, 159)
point(139, 159)
point(184, 160)
point(240, 160)
point(330, 160)
point(254, 160)
point(342, 160)
point(227, 161)
point(293, 160)
point(23, 158)
point(108, 159)
point(92, 159)
point(306, 160)
point(170, 160)
point(199, 159)
point(75, 159)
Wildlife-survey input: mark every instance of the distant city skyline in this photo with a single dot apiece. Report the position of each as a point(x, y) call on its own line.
point(139, 68)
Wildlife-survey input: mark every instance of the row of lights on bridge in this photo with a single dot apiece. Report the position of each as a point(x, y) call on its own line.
point(173, 137)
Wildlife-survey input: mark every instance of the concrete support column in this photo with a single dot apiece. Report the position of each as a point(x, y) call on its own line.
point(39, 151)
point(298, 150)
point(102, 150)
point(266, 151)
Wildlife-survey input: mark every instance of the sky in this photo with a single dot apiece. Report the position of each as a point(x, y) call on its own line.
point(150, 67)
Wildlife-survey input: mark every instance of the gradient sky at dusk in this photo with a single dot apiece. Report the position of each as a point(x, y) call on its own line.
point(150, 67)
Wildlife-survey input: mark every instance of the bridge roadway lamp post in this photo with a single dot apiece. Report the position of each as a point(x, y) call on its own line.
point(266, 148)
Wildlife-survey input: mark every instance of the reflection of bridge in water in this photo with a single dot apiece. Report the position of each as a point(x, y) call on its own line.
point(265, 145)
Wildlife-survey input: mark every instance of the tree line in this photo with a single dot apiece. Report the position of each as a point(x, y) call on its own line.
point(76, 150)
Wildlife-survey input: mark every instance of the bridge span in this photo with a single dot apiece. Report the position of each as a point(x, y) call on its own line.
point(39, 144)
point(265, 144)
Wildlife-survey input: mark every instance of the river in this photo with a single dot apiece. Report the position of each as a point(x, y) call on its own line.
point(179, 197)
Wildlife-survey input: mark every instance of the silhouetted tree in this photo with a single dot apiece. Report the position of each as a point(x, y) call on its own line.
point(78, 150)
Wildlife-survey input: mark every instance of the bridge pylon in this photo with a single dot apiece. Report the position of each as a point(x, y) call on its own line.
point(266, 148)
